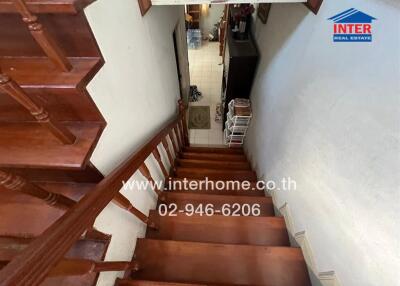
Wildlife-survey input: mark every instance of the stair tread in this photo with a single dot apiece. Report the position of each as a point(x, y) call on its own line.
point(222, 150)
point(82, 249)
point(215, 174)
point(212, 164)
point(28, 216)
point(30, 145)
point(129, 282)
point(250, 230)
point(46, 74)
point(181, 199)
point(213, 156)
point(45, 6)
point(194, 262)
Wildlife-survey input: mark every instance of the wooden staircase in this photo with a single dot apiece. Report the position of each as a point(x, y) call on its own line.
point(231, 248)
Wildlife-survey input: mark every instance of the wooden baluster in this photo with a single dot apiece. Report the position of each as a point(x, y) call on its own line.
point(185, 130)
point(166, 147)
point(94, 234)
point(174, 144)
point(180, 128)
point(72, 267)
point(10, 87)
point(124, 203)
point(16, 183)
point(42, 37)
point(157, 155)
point(178, 138)
point(146, 173)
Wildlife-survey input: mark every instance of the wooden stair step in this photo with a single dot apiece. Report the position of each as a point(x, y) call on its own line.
point(82, 249)
point(30, 145)
point(194, 262)
point(128, 282)
point(46, 74)
point(46, 6)
point(215, 174)
point(28, 216)
point(90, 174)
point(266, 231)
point(181, 199)
point(213, 156)
point(230, 188)
point(209, 164)
point(213, 150)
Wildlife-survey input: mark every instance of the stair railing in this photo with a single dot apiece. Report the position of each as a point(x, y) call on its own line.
point(10, 87)
point(42, 37)
point(39, 259)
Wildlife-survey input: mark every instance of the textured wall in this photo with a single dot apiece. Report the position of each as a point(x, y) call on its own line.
point(327, 115)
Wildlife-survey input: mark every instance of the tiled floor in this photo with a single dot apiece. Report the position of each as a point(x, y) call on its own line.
point(206, 72)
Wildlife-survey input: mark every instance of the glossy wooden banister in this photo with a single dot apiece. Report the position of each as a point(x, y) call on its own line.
point(19, 184)
point(34, 264)
point(42, 37)
point(185, 130)
point(10, 87)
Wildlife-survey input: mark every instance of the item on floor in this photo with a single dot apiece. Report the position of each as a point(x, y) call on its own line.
point(199, 117)
point(218, 112)
point(194, 38)
point(214, 34)
point(238, 120)
point(195, 94)
point(241, 20)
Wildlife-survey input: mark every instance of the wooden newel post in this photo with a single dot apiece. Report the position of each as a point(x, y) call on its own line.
point(42, 37)
point(182, 112)
point(18, 184)
point(9, 86)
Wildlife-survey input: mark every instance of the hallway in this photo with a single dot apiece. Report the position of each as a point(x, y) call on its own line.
point(206, 72)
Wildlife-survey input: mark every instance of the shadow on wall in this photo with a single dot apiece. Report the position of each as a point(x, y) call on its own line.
point(269, 49)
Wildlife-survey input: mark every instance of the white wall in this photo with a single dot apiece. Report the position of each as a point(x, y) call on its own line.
point(327, 115)
point(137, 92)
point(208, 20)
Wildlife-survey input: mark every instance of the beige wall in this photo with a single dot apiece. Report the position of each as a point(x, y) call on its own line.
point(137, 92)
point(327, 115)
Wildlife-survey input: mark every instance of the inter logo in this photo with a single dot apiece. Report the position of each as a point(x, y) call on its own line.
point(352, 26)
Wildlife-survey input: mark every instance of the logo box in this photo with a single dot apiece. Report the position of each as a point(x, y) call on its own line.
point(352, 26)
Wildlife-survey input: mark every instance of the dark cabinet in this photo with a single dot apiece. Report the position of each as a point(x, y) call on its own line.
point(241, 58)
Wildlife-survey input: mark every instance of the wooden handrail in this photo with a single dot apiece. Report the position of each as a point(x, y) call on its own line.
point(42, 37)
point(9, 86)
point(34, 264)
